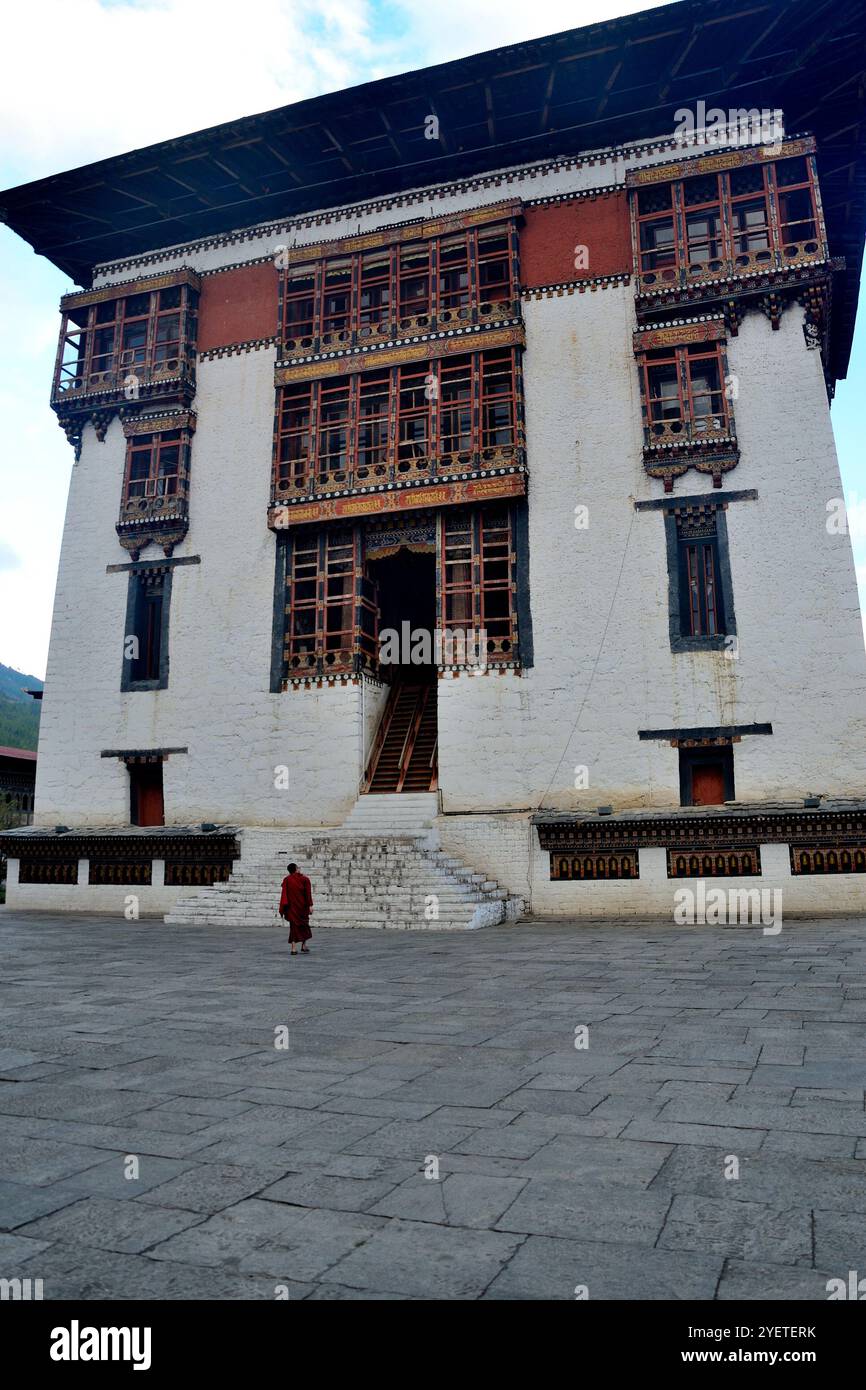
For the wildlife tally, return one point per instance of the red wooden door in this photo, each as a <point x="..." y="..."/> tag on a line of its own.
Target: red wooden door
<point x="147" y="803"/>
<point x="150" y="805"/>
<point x="708" y="784"/>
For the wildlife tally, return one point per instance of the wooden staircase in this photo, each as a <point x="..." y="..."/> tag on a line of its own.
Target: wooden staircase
<point x="404" y="754"/>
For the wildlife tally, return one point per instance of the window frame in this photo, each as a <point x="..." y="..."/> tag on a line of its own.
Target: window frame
<point x="411" y="426"/>
<point x="437" y="300"/>
<point x="729" y="237"/>
<point x="315" y="558"/>
<point x="681" y="359"/>
<point x="82" y="325"/>
<point x="144" y="582"/>
<point x="682" y="638"/>
<point x="462" y="543"/>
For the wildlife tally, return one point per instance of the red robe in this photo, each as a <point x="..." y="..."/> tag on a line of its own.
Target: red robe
<point x="296" y="900"/>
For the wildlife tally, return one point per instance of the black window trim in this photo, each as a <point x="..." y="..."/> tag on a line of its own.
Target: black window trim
<point x="159" y="682"/>
<point x="680" y="640"/>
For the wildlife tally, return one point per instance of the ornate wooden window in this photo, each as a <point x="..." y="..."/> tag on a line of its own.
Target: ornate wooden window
<point x="415" y="390"/>
<point x="130" y="344"/>
<point x="325" y="630"/>
<point x="155" y="502"/>
<point x="375" y="303"/>
<point x="468" y="275"/>
<point x="391" y="425"/>
<point x="332" y="446"/>
<point x="416" y="285"/>
<point x="454" y="289"/>
<point x="687" y="413"/>
<point x="702" y="610"/>
<point x="477" y="586"/>
<point x="372" y="425"/>
<point x="684" y="392"/>
<point x="302" y="608"/>
<point x="153" y="465"/>
<point x="714" y="221"/>
<point x="300" y="299"/>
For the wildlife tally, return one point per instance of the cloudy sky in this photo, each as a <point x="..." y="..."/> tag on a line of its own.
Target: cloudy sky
<point x="115" y="74"/>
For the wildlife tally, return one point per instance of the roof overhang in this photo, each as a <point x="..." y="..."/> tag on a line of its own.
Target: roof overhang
<point x="606" y="84"/>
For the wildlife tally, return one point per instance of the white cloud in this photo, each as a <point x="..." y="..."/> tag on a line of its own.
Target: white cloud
<point x="99" y="79"/>
<point x="104" y="79"/>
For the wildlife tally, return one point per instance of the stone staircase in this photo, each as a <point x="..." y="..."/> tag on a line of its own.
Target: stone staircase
<point x="381" y="868"/>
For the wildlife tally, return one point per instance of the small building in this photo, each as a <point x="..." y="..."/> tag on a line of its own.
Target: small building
<point x="455" y="461"/>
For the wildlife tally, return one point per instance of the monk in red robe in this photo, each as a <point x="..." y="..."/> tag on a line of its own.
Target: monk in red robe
<point x="296" y="904"/>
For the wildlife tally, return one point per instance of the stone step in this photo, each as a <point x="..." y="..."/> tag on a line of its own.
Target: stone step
<point x="380" y="869"/>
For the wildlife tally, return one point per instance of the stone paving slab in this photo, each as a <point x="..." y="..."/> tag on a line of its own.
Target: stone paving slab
<point x="432" y="1132"/>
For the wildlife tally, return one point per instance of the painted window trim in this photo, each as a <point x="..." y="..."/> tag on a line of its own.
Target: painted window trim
<point x="680" y="642"/>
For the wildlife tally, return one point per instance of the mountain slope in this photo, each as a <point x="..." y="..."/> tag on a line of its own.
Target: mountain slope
<point x="19" y="712"/>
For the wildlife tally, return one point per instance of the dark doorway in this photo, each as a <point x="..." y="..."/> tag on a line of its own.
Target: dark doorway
<point x="404" y="756"/>
<point x="406" y="584"/>
<point x="706" y="776"/>
<point x="146" y="804"/>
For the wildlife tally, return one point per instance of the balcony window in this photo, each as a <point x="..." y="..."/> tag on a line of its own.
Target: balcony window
<point x="751" y="216"/>
<point x="497" y="401"/>
<point x="684" y="394"/>
<point x="153" y="465"/>
<point x="450" y="410"/>
<point x="320" y="609"/>
<point x="494" y="267"/>
<point x="353" y="296"/>
<point x="455" y="413"/>
<point x="373" y="421"/>
<point x="333" y="428"/>
<point x="703" y="219"/>
<point x="337" y="298"/>
<point x="155" y="499"/>
<point x="149" y="335"/>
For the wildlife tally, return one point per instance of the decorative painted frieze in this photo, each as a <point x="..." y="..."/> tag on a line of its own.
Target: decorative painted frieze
<point x="393" y="498"/>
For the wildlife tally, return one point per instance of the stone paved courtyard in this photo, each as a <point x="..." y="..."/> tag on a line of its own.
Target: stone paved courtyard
<point x="558" y="1166"/>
